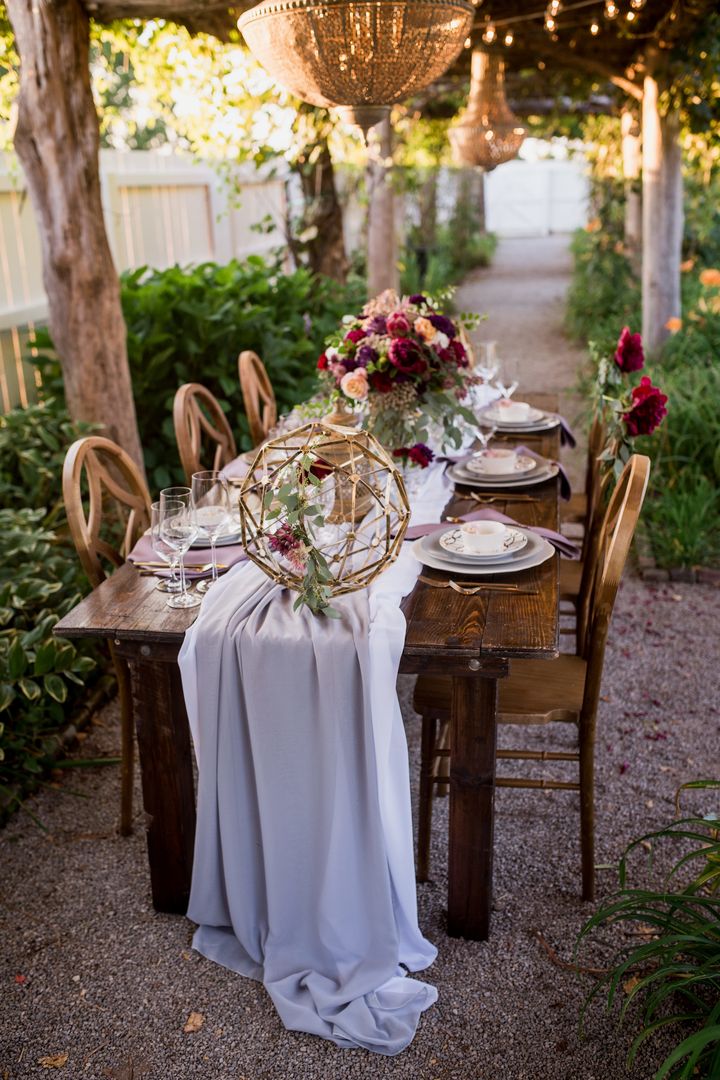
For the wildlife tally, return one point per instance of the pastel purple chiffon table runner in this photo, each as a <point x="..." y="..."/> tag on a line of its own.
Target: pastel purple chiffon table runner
<point x="228" y="555"/>
<point x="566" y="547"/>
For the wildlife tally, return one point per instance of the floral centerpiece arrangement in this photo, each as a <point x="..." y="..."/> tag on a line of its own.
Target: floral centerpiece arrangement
<point x="630" y="410"/>
<point x="402" y="363"/>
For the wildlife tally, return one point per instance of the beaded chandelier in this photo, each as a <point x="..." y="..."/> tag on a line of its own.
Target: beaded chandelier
<point x="488" y="132"/>
<point x="360" y="56"/>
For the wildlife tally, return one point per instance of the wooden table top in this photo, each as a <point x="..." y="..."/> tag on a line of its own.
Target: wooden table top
<point x="441" y="622"/>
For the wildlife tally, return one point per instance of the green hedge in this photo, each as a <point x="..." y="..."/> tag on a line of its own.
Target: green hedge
<point x="188" y="324"/>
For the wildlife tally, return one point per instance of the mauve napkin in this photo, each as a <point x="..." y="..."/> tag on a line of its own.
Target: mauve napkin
<point x="565" y="489"/>
<point x="227" y="555"/>
<point x="566" y="547"/>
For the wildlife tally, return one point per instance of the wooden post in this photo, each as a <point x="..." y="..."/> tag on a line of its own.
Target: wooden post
<point x="662" y="216"/>
<point x="632" y="161"/>
<point x="57" y="141"/>
<point x="382" y="239"/>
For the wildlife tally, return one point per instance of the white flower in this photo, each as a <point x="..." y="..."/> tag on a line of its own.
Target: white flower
<point x="331" y="353"/>
<point x="441" y="341"/>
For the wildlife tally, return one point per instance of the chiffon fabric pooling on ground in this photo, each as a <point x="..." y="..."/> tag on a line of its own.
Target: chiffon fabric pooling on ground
<point x="303" y="875"/>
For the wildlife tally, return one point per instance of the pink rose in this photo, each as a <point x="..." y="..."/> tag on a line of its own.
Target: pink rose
<point x="355" y="384"/>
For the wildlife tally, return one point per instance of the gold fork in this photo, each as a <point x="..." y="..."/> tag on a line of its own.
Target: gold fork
<point x="469" y="588"/>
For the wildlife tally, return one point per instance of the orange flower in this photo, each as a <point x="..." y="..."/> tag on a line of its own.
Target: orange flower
<point x="710" y="277"/>
<point x="686" y="267"/>
<point x="619" y="247"/>
<point x="674" y="324"/>
<point x="593" y="226"/>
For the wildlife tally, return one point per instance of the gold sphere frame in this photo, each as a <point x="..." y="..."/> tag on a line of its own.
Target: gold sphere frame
<point x="369" y="502"/>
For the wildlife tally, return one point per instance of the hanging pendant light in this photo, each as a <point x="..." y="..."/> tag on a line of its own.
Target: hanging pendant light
<point x="488" y="132"/>
<point x="360" y="56"/>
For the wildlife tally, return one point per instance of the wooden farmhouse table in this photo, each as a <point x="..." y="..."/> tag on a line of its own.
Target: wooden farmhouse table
<point x="471" y="638"/>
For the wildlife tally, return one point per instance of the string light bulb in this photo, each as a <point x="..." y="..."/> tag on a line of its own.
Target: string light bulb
<point x="637" y="4"/>
<point x="611" y="9"/>
<point x="468" y="43"/>
<point x="489" y="34"/>
<point x="550" y="24"/>
<point x="553" y="8"/>
<point x="509" y="37"/>
<point x="631" y="16"/>
<point x="594" y="28"/>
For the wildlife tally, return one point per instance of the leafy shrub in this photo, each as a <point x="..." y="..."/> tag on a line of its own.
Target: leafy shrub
<point x="604" y="295"/>
<point x="40" y="580"/>
<point x="188" y="324"/>
<point x="447" y="262"/>
<point x="672" y="964"/>
<point x="39" y="674"/>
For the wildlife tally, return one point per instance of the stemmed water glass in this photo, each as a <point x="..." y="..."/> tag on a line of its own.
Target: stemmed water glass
<point x="506" y="391"/>
<point x="164" y="553"/>
<point x="484" y="435"/>
<point x="178" y="529"/>
<point x="212" y="512"/>
<point x="487" y="367"/>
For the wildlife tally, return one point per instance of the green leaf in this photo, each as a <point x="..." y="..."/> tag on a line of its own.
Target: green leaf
<point x="17" y="660"/>
<point x="55" y="687"/>
<point x="30" y="689"/>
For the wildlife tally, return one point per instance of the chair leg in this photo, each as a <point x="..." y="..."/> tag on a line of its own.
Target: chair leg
<point x="443" y="763"/>
<point x="427" y="765"/>
<point x="127" y="745"/>
<point x="587" y="814"/>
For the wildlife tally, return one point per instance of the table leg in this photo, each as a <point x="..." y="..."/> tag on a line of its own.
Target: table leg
<point x="165" y="756"/>
<point x="472" y="787"/>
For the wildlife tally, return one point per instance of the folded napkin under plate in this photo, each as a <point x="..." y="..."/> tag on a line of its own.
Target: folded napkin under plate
<point x="565" y="547"/>
<point x="227" y="554"/>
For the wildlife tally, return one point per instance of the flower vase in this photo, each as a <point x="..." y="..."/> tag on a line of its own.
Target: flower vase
<point x="341" y="416"/>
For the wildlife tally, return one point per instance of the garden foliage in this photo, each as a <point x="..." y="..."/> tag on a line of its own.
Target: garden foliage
<point x="40" y="580"/>
<point x="682" y="513"/>
<point x="670" y="964"/>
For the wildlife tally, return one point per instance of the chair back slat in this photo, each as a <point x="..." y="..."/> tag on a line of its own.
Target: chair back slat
<point x="97" y="472"/>
<point x="200" y="422"/>
<point x="258" y="395"/>
<point x="612" y="548"/>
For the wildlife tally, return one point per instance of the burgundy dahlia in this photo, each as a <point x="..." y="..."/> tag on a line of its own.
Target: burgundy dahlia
<point x="377" y="325"/>
<point x="454" y="354"/>
<point x="398" y="325"/>
<point x="381" y="381"/>
<point x="418" y="299"/>
<point x="405" y="355"/>
<point x="629" y="355"/>
<point x="355" y="335"/>
<point x="647" y="410"/>
<point x="420" y="454"/>
<point x="444" y="325"/>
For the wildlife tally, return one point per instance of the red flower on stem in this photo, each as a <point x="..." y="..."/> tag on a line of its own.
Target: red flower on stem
<point x="322" y="362"/>
<point x="629" y="355"/>
<point x="420" y="454"/>
<point x="647" y="409"/>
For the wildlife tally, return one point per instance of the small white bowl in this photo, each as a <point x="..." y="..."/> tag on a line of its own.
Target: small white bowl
<point x="513" y="410"/>
<point x="484" y="537"/>
<point x="498" y="460"/>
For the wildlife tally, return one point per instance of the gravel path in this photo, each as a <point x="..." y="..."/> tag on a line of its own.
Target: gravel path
<point x="90" y="971"/>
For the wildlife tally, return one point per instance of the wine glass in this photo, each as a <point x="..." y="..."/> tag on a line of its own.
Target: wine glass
<point x="212" y="512"/>
<point x="484" y="436"/>
<point x="178" y="529"/>
<point x="487" y="367"/>
<point x="165" y="553"/>
<point x="506" y="391"/>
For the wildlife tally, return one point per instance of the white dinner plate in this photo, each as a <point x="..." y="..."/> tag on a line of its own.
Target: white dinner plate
<point x="508" y="483"/>
<point x="537" y="552"/>
<point x="510" y="428"/>
<point x="224" y="540"/>
<point x="497" y="415"/>
<point x="453" y="545"/>
<point x="481" y="466"/>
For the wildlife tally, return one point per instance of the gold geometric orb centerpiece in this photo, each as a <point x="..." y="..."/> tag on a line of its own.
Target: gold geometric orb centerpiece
<point x="488" y="133"/>
<point x="325" y="489"/>
<point x="360" y="56"/>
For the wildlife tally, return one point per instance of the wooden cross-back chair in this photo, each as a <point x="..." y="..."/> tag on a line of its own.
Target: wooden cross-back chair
<point x="582" y="505"/>
<point x="201" y="425"/>
<point x="258" y="395"/>
<point x="98" y="476"/>
<point x="539" y="691"/>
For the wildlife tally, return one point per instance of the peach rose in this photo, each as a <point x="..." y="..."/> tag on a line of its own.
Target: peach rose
<point x="674" y="324"/>
<point x="355" y="384"/>
<point x="425" y="328"/>
<point x="710" y="277"/>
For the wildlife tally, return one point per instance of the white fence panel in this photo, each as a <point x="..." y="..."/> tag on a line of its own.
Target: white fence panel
<point x="536" y="198"/>
<point x="159" y="210"/>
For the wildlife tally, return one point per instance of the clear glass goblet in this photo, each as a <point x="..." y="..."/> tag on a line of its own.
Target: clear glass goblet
<point x="212" y="513"/>
<point x="178" y="529"/>
<point x="164" y="553"/>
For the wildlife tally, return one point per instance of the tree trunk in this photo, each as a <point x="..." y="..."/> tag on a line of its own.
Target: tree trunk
<point x="632" y="159"/>
<point x="57" y="142"/>
<point x="323" y="213"/>
<point x="428" y="207"/>
<point x="662" y="222"/>
<point x="382" y="239"/>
